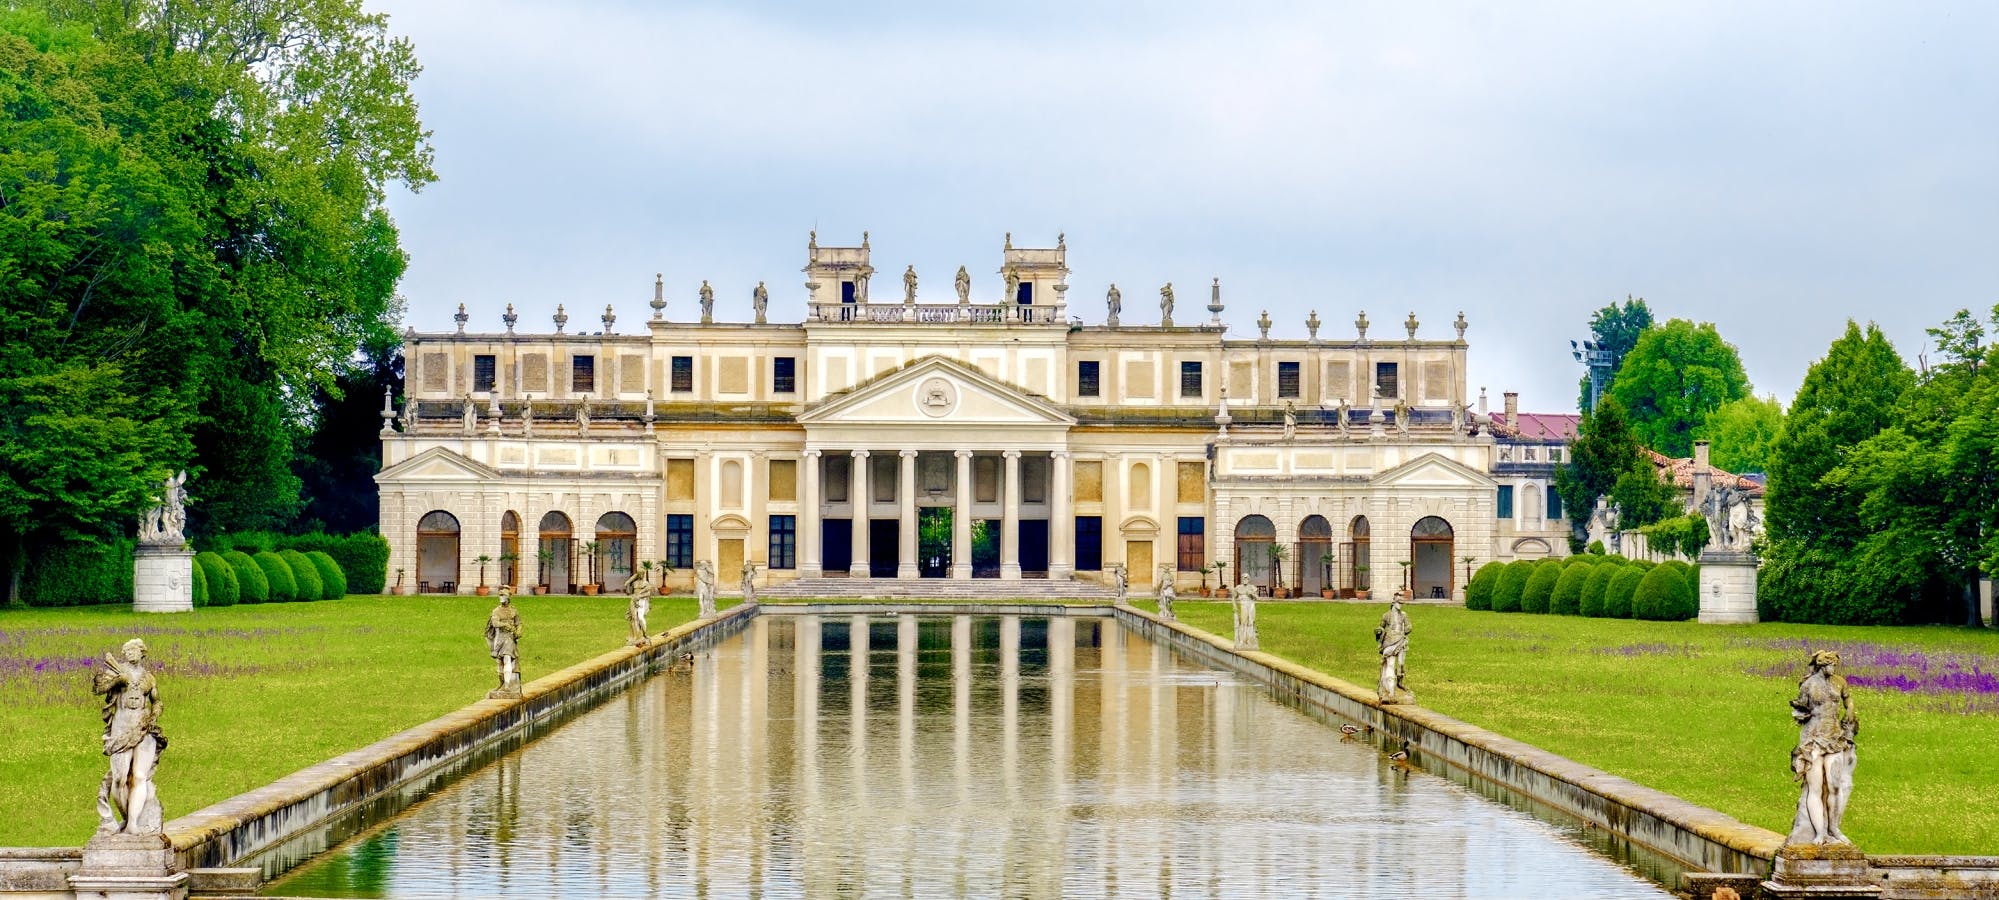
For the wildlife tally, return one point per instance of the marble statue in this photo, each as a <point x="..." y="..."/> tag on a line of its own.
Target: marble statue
<point x="1166" y="304"/>
<point x="749" y="584"/>
<point x="1730" y="522"/>
<point x="166" y="523"/>
<point x="760" y="301"/>
<point x="1824" y="759"/>
<point x="1244" y="598"/>
<point x="503" y="637"/>
<point x="1392" y="637"/>
<point x="861" y="276"/>
<point x="1341" y="414"/>
<point x="909" y="285"/>
<point x="1114" y="301"/>
<point x="1012" y="284"/>
<point x="1120" y="582"/>
<point x="1290" y="421"/>
<point x="963" y="283"/>
<point x="704" y="587"/>
<point x="1611" y="515"/>
<point x="583" y="416"/>
<point x="1401" y="418"/>
<point x="639" y="586"/>
<point x="132" y="740"/>
<point x="1166" y="593"/>
<point x="527" y="417"/>
<point x="469" y="416"/>
<point x="707" y="302"/>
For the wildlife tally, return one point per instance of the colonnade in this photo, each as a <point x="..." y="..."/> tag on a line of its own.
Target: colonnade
<point x="1061" y="525"/>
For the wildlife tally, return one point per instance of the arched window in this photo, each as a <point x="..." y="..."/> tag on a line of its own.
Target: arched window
<point x="1359" y="559"/>
<point x="617" y="541"/>
<point x="1255" y="537"/>
<point x="1315" y="556"/>
<point x="556" y="554"/>
<point x="437" y="553"/>
<point x="510" y="549"/>
<point x="1430" y="547"/>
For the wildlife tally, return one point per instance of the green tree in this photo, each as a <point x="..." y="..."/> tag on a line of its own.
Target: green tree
<point x="1740" y="433"/>
<point x="1677" y="374"/>
<point x="1607" y="461"/>
<point x="1847" y="397"/>
<point x="1616" y="329"/>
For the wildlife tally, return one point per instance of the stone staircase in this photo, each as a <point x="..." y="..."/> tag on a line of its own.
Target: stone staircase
<point x="936" y="589"/>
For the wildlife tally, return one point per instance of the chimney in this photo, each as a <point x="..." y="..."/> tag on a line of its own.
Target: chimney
<point x="1513" y="409"/>
<point x="1703" y="475"/>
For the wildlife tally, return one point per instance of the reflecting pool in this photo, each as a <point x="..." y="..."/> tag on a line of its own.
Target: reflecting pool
<point x="940" y="756"/>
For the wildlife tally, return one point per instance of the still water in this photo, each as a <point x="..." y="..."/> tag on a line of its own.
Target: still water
<point x="939" y="756"/>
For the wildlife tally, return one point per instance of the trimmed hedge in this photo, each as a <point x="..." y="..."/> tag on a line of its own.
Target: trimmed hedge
<point x="1617" y="600"/>
<point x="223" y="589"/>
<point x="363" y="557"/>
<point x="1478" y="594"/>
<point x="1663" y="596"/>
<point x="78" y="574"/>
<point x="1576" y="559"/>
<point x="284" y="588"/>
<point x="1512" y="583"/>
<point x="1596" y="587"/>
<point x="1568" y="597"/>
<point x="331" y="578"/>
<point x="1541" y="586"/>
<point x="198" y="580"/>
<point x="305" y="576"/>
<point x="256" y="588"/>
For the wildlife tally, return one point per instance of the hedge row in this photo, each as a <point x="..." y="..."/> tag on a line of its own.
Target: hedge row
<point x="363" y="557"/>
<point x="79" y="575"/>
<point x="1588" y="585"/>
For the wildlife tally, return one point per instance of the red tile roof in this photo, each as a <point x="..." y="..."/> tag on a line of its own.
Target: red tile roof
<point x="1539" y="426"/>
<point x="1682" y="472"/>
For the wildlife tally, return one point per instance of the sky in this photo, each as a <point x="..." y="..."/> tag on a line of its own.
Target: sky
<point x="1774" y="168"/>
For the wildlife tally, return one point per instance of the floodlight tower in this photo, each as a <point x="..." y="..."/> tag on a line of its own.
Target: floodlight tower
<point x="1596" y="358"/>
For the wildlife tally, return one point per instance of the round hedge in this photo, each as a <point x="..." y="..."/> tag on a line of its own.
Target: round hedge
<point x="199" y="582"/>
<point x="1541" y="586"/>
<point x="284" y="588"/>
<point x="1596" y="587"/>
<point x="222" y="587"/>
<point x="1568" y="597"/>
<point x="1617" y="600"/>
<point x="1577" y="559"/>
<point x="1512" y="583"/>
<point x="1680" y="568"/>
<point x="331" y="578"/>
<point x="256" y="587"/>
<point x="1663" y="596"/>
<point x="305" y="576"/>
<point x="1478" y="594"/>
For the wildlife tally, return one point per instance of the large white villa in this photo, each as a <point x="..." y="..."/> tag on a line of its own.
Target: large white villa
<point x="961" y="437"/>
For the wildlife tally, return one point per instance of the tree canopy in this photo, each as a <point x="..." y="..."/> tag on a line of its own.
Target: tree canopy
<point x="1607" y="461"/>
<point x="1615" y="329"/>
<point x="1673" y="378"/>
<point x="1846" y="398"/>
<point x="1739" y="433"/>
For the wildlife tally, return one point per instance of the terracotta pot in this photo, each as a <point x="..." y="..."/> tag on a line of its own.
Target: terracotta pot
<point x="1362" y="593"/>
<point x="482" y="590"/>
<point x="1206" y="593"/>
<point x="540" y="589"/>
<point x="589" y="590"/>
<point x="1326" y="594"/>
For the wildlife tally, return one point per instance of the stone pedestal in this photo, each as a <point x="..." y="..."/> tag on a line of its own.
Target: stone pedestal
<point x="510" y="692"/>
<point x="1820" y="870"/>
<point x="1728" y="587"/>
<point x="128" y="867"/>
<point x="162" y="578"/>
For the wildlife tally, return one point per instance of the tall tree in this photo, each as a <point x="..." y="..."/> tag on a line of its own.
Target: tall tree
<point x="1740" y="432"/>
<point x="1847" y="397"/>
<point x="1677" y="374"/>
<point x="1616" y="330"/>
<point x="1607" y="461"/>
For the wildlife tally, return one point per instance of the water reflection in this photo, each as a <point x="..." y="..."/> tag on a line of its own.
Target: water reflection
<point x="907" y="756"/>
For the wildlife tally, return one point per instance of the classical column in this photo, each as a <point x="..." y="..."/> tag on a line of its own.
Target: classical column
<point x="857" y="488"/>
<point x="1061" y="529"/>
<point x="906" y="530"/>
<point x="1010" y="519"/>
<point x="961" y="519"/>
<point x="808" y="518"/>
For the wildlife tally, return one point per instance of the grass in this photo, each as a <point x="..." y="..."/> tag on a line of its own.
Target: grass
<point x="254" y="693"/>
<point x="1698" y="711"/>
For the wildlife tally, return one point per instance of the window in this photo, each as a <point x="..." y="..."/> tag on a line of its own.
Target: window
<point x="1506" y="501"/>
<point x="1193" y="543"/>
<point x="679" y="541"/>
<point x="784" y="375"/>
<point x="784" y="542"/>
<point x="847" y="292"/>
<point x="1554" y="454"/>
<point x="1554" y="503"/>
<point x="1089" y="543"/>
<point x="1533" y="453"/>
<point x="1086" y="378"/>
<point x="582" y="374"/>
<point x="1190" y="379"/>
<point x="683" y="374"/>
<point x="1024" y="292"/>
<point x="1384" y="380"/>
<point x="1287" y="379"/>
<point x="482" y="372"/>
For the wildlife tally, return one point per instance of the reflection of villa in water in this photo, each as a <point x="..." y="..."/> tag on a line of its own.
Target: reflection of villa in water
<point x="919" y="439"/>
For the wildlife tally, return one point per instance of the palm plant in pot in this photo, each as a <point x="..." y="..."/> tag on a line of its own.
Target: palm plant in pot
<point x="665" y="572"/>
<point x="547" y="558"/>
<point x="590" y="549"/>
<point x="1326" y="581"/>
<point x="1277" y="572"/>
<point x="398" y="589"/>
<point x="482" y="590"/>
<point x="1361" y="586"/>
<point x="1205" y="569"/>
<point x="1222" y="577"/>
<point x="509" y="574"/>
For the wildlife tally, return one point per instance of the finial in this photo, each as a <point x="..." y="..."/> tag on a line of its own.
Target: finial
<point x="864" y="240"/>
<point x="1461" y="325"/>
<point x="509" y="318"/>
<point x="812" y="239"/>
<point x="1360" y="324"/>
<point x="1411" y="324"/>
<point x="1312" y="324"/>
<point x="1263" y="325"/>
<point x="388" y="411"/>
<point x="1215" y="302"/>
<point x="659" y="296"/>
<point x="461" y="318"/>
<point x="561" y="318"/>
<point x="1061" y="240"/>
<point x="610" y="318"/>
<point x="1009" y="240"/>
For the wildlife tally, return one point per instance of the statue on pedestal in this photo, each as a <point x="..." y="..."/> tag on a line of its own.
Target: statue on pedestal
<point x="760" y="301"/>
<point x="707" y="302"/>
<point x="1824" y="760"/>
<point x="1244" y="598"/>
<point x="1166" y="305"/>
<point x="132" y="740"/>
<point x="1392" y="637"/>
<point x="1114" y="301"/>
<point x="1341" y="414"/>
<point x="639" y="586"/>
<point x="749" y="584"/>
<point x="1166" y="593"/>
<point x="909" y="285"/>
<point x="704" y="587"/>
<point x="503" y="635"/>
<point x="1120" y="582"/>
<point x="583" y="416"/>
<point x="166" y="523"/>
<point x="1290" y="421"/>
<point x="964" y="285"/>
<point x="1731" y="523"/>
<point x="469" y="416"/>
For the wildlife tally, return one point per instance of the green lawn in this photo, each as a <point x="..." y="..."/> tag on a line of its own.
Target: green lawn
<point x="253" y="693"/>
<point x="1698" y="711"/>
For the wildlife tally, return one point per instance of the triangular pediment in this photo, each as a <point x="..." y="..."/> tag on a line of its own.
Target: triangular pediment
<point x="438" y="464"/>
<point x="1434" y="471"/>
<point x="936" y="391"/>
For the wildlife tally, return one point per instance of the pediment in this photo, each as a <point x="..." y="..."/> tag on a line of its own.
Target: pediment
<point x="1434" y="471"/>
<point x="940" y="392"/>
<point x="438" y="464"/>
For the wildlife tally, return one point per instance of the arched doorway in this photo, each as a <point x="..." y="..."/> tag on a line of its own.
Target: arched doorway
<point x="510" y="550"/>
<point x="437" y="553"/>
<point x="617" y="537"/>
<point x="1315" y="556"/>
<point x="1430" y="543"/>
<point x="555" y="557"/>
<point x="1359" y="560"/>
<point x="1254" y="538"/>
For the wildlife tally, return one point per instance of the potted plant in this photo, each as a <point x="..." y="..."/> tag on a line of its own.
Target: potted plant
<point x="665" y="572"/>
<point x="482" y="590"/>
<point x="1205" y="569"/>
<point x="1277" y="572"/>
<point x="398" y="589"/>
<point x="1468" y="560"/>
<point x="547" y="558"/>
<point x="1360" y="582"/>
<point x="1326" y="583"/>
<point x="1408" y="590"/>
<point x="509" y="574"/>
<point x="590" y="549"/>
<point x="1222" y="577"/>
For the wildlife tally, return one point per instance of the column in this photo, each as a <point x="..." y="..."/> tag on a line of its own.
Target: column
<point x="906" y="530"/>
<point x="961" y="519"/>
<point x="1010" y="519"/>
<point x="1061" y="528"/>
<point x="808" y="518"/>
<point x="857" y="488"/>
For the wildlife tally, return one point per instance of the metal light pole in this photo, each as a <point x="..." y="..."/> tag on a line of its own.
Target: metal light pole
<point x="1596" y="358"/>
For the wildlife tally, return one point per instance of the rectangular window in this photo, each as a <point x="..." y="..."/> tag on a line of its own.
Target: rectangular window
<point x="784" y="375"/>
<point x="582" y="374"/>
<point x="1190" y="379"/>
<point x="683" y="374"/>
<point x="482" y="372"/>
<point x="1193" y="543"/>
<point x="1287" y="380"/>
<point x="1384" y="380"/>
<point x="679" y="541"/>
<point x="1089" y="543"/>
<point x="1506" y="501"/>
<point x="784" y="542"/>
<point x="1086" y="378"/>
<point x="1024" y="292"/>
<point x="1554" y="503"/>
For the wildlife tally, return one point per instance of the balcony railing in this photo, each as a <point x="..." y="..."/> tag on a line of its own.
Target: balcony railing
<point x="939" y="313"/>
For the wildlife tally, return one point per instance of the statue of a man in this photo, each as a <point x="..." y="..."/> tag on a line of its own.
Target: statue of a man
<point x="1166" y="593"/>
<point x="1824" y="759"/>
<point x="132" y="740"/>
<point x="503" y="636"/>
<point x="704" y="587"/>
<point x="1120" y="581"/>
<point x="1392" y="637"/>
<point x="760" y="301"/>
<point x="639" y="586"/>
<point x="1341" y="414"/>
<point x="1114" y="301"/>
<point x="909" y="285"/>
<point x="707" y="302"/>
<point x="749" y="584"/>
<point x="964" y="285"/>
<point x="1244" y="597"/>
<point x="1166" y="304"/>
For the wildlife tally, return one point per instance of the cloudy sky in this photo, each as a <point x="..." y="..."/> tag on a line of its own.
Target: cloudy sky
<point x="1774" y="168"/>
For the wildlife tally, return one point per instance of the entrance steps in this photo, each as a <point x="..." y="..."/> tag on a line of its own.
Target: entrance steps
<point x="936" y="589"/>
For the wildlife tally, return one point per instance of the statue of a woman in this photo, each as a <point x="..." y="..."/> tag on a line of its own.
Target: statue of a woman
<point x="749" y="584"/>
<point x="1114" y="301"/>
<point x="1392" y="637"/>
<point x="132" y="740"/>
<point x="1166" y="304"/>
<point x="1824" y="759"/>
<point x="639" y="586"/>
<point x="760" y="301"/>
<point x="704" y="587"/>
<point x="909" y="285"/>
<point x="1166" y="593"/>
<point x="1120" y="581"/>
<point x="503" y="635"/>
<point x="1245" y="616"/>
<point x="707" y="302"/>
<point x="964" y="285"/>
